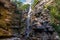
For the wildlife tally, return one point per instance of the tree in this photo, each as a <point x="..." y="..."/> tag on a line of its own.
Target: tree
<point x="25" y="6"/>
<point x="17" y="2"/>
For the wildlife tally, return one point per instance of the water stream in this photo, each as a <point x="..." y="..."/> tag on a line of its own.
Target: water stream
<point x="28" y="29"/>
<point x="28" y="22"/>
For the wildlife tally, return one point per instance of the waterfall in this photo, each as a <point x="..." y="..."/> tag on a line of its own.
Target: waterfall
<point x="28" y="22"/>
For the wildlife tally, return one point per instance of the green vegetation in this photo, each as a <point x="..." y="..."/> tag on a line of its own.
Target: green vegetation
<point x="25" y="6"/>
<point x="54" y="8"/>
<point x="55" y="14"/>
<point x="18" y="3"/>
<point x="34" y="3"/>
<point x="5" y="19"/>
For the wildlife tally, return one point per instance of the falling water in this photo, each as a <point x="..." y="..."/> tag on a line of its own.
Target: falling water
<point x="28" y="22"/>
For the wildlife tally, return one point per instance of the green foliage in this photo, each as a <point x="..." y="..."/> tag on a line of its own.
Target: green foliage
<point x="55" y="10"/>
<point x="25" y="6"/>
<point x="18" y="3"/>
<point x="55" y="14"/>
<point x="58" y="2"/>
<point x="57" y="28"/>
<point x="34" y="3"/>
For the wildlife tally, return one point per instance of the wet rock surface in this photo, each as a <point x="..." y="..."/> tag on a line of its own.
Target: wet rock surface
<point x="41" y="27"/>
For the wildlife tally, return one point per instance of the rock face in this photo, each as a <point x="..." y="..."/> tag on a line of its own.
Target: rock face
<point x="9" y="18"/>
<point x="4" y="19"/>
<point x="41" y="28"/>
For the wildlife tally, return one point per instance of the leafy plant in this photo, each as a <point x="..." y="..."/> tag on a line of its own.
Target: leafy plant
<point x="55" y="14"/>
<point x="34" y="3"/>
<point x="25" y="6"/>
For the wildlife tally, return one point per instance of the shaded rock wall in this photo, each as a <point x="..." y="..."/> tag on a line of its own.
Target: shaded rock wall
<point x="40" y="20"/>
<point x="8" y="15"/>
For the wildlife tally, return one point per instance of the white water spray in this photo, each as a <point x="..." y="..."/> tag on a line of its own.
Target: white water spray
<point x="28" y="18"/>
<point x="28" y="22"/>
